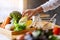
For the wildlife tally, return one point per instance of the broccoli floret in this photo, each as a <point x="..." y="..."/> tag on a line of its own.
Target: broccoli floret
<point x="15" y="15"/>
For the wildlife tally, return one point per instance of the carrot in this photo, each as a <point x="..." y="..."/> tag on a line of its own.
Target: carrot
<point x="6" y="21"/>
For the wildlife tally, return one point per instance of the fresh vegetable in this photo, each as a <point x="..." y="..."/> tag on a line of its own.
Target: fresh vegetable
<point x="36" y="33"/>
<point x="28" y="23"/>
<point x="39" y="35"/>
<point x="23" y="19"/>
<point x="19" y="27"/>
<point x="15" y="15"/>
<point x="9" y="27"/>
<point x="56" y="31"/>
<point x="6" y="21"/>
<point x="53" y="38"/>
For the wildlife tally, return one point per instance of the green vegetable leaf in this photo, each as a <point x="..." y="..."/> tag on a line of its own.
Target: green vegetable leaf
<point x="53" y="38"/>
<point x="19" y="27"/>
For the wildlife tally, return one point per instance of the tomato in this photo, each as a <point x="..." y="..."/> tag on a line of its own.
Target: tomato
<point x="56" y="31"/>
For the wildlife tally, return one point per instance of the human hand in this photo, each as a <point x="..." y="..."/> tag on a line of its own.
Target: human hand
<point x="29" y="13"/>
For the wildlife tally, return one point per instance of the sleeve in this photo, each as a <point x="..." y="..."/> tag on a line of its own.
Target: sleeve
<point x="50" y="5"/>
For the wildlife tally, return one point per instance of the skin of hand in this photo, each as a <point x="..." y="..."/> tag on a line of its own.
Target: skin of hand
<point x="32" y="12"/>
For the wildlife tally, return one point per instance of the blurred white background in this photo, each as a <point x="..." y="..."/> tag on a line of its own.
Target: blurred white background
<point x="2" y="37"/>
<point x="7" y="6"/>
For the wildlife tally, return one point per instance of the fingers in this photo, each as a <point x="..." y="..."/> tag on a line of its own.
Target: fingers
<point x="23" y="13"/>
<point x="27" y="12"/>
<point x="33" y="13"/>
<point x="30" y="16"/>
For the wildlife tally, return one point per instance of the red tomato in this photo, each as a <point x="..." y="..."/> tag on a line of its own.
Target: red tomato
<point x="56" y="31"/>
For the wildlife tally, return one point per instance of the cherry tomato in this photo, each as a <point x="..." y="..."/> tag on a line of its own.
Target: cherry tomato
<point x="56" y="31"/>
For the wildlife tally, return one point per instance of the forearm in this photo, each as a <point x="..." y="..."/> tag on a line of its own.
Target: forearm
<point x="49" y="5"/>
<point x="39" y="9"/>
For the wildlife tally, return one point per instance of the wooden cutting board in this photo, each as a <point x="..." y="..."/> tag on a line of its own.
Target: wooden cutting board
<point x="13" y="34"/>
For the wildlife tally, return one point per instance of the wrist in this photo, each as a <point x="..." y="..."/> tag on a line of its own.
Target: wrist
<point x="39" y="9"/>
